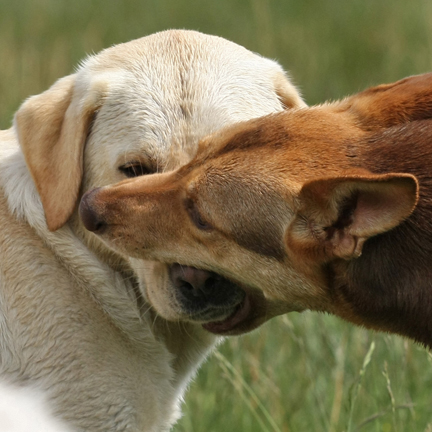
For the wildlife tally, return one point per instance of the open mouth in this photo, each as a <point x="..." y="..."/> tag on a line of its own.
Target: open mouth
<point x="240" y="314"/>
<point x="219" y="304"/>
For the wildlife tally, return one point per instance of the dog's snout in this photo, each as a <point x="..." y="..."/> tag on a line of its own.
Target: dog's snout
<point x="192" y="282"/>
<point x="90" y="215"/>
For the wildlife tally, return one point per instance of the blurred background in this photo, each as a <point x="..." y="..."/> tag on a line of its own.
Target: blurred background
<point x="301" y="372"/>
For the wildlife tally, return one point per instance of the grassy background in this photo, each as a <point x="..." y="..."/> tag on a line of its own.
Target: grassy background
<point x="299" y="373"/>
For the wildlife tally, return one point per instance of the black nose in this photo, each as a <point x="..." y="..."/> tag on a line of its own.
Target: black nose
<point x="193" y="283"/>
<point x="90" y="213"/>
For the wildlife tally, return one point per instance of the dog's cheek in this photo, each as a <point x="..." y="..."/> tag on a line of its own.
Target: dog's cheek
<point x="160" y="296"/>
<point x="156" y="287"/>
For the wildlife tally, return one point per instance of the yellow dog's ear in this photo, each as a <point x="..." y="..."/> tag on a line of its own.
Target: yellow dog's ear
<point x="388" y="105"/>
<point x="286" y="92"/>
<point x="52" y="129"/>
<point x="337" y="215"/>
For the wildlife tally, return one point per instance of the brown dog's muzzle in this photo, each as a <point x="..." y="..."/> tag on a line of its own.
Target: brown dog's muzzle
<point x="91" y="216"/>
<point x="202" y="296"/>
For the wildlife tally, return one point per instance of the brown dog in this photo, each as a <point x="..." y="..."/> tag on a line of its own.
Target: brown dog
<point x="326" y="208"/>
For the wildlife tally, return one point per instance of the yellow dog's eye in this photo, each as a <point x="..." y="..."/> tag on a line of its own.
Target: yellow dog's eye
<point x="134" y="169"/>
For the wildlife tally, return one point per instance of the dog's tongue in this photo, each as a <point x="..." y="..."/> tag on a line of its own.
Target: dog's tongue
<point x="241" y="312"/>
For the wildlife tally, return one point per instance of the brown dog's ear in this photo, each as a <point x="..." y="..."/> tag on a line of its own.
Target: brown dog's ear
<point x="52" y="128"/>
<point x="287" y="93"/>
<point x="388" y="105"/>
<point x="337" y="215"/>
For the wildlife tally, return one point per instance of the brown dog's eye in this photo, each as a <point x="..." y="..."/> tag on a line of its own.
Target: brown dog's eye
<point x="134" y="169"/>
<point x="196" y="217"/>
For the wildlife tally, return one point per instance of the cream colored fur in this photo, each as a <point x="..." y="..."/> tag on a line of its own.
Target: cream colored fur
<point x="73" y="315"/>
<point x="25" y="410"/>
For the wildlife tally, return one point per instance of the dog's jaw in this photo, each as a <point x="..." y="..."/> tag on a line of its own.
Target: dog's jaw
<point x="239" y="321"/>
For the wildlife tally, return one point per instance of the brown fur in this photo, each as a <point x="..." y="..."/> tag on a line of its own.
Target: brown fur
<point x="326" y="208"/>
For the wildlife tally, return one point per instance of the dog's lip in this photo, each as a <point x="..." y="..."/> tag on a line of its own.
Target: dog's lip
<point x="229" y="324"/>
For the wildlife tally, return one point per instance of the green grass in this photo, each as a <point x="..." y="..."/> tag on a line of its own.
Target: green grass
<point x="299" y="373"/>
<point x="312" y="372"/>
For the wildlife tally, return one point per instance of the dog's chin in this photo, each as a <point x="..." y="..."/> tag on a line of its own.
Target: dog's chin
<point x="242" y="319"/>
<point x="244" y="314"/>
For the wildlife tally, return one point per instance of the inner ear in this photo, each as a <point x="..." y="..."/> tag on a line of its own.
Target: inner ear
<point x="337" y="215"/>
<point x="52" y="128"/>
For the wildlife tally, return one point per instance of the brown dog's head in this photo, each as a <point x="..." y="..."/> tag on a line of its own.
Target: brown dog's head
<point x="273" y="203"/>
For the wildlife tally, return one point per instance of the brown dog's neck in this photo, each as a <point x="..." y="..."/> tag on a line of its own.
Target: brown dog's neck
<point x="390" y="286"/>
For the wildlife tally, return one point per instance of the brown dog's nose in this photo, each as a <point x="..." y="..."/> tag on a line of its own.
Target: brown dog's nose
<point x="91" y="217"/>
<point x="193" y="282"/>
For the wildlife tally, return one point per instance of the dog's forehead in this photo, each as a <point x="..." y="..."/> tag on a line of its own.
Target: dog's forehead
<point x="290" y="147"/>
<point x="238" y="202"/>
<point x="169" y="90"/>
